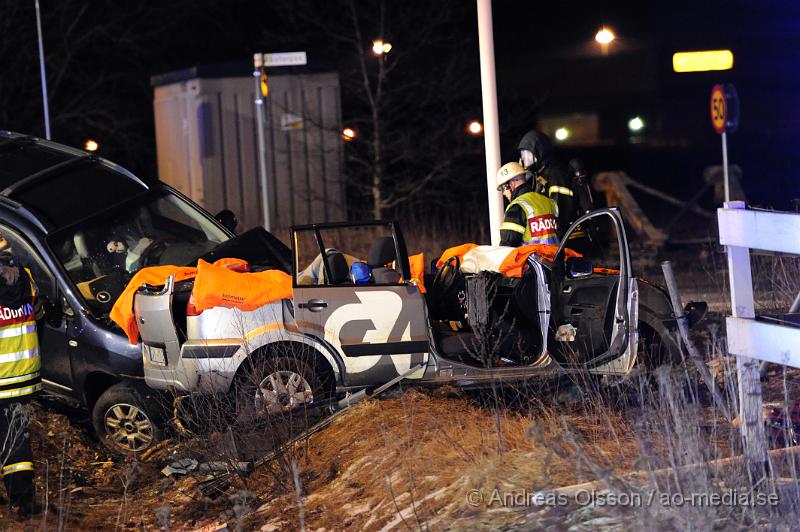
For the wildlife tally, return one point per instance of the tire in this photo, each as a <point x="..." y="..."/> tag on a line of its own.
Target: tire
<point x="129" y="418"/>
<point x="269" y="384"/>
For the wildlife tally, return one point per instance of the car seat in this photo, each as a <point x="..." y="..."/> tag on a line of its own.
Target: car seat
<point x="381" y="253"/>
<point x="94" y="260"/>
<point x="340" y="271"/>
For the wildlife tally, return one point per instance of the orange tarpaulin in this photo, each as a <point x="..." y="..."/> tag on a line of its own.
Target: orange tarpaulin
<point x="514" y="262"/>
<point x="122" y="312"/>
<point x="456" y="251"/>
<point x="417" y="265"/>
<point x="215" y="285"/>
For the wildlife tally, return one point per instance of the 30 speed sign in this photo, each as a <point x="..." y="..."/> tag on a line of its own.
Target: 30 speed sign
<point x="724" y="108"/>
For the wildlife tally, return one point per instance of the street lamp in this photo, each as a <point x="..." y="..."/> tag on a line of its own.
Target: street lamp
<point x="90" y="145"/>
<point x="636" y="124"/>
<point x="379" y="47"/>
<point x="349" y="134"/>
<point x="604" y="37"/>
<point x="475" y="128"/>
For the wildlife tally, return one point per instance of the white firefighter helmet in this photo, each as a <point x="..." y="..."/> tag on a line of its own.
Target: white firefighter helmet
<point x="508" y="172"/>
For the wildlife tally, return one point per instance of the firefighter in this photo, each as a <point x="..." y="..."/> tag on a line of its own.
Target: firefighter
<point x="551" y="177"/>
<point x="531" y="218"/>
<point x="19" y="381"/>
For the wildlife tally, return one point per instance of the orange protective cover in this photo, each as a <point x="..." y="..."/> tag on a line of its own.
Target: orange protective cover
<point x="122" y="312"/>
<point x="417" y="265"/>
<point x="216" y="285"/>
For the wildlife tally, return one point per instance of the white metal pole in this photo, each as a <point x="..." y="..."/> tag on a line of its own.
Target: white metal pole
<point x="725" y="166"/>
<point x="491" y="128"/>
<point x="41" y="73"/>
<point x="258" y="61"/>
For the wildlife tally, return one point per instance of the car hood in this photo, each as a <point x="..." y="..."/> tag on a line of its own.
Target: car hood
<point x="256" y="246"/>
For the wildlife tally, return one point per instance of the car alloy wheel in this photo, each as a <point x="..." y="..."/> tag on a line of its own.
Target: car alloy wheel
<point x="128" y="427"/>
<point x="282" y="391"/>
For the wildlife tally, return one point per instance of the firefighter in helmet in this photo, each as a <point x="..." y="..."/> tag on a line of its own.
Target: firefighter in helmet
<point x="551" y="178"/>
<point x="531" y="218"/>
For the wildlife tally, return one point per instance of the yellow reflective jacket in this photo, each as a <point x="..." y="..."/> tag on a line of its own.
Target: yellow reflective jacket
<point x="19" y="346"/>
<point x="541" y="213"/>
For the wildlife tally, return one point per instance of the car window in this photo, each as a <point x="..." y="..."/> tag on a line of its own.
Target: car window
<point x="372" y="246"/>
<point x="27" y="257"/>
<point x="597" y="240"/>
<point x="102" y="254"/>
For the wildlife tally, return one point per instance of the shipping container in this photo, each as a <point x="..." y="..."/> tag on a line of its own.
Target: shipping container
<point x="207" y="143"/>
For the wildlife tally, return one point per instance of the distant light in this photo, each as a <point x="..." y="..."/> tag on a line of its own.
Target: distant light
<point x="90" y="145"/>
<point x="349" y="134"/>
<point x="636" y="124"/>
<point x="702" y="61"/>
<point x="475" y="128"/>
<point x="379" y="47"/>
<point x="562" y="133"/>
<point x="604" y="36"/>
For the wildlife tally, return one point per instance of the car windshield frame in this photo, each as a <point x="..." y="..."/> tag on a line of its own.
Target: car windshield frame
<point x="64" y="238"/>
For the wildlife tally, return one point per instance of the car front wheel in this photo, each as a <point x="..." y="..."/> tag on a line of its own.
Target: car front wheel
<point x="127" y="420"/>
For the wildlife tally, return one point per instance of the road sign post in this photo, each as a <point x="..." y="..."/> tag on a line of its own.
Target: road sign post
<point x="261" y="88"/>
<point x="724" y="119"/>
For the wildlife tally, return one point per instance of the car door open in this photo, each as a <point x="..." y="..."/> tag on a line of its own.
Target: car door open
<point x="369" y="313"/>
<point x="591" y="293"/>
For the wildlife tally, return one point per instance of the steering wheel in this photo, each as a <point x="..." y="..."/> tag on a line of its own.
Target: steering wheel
<point x="445" y="277"/>
<point x="154" y="249"/>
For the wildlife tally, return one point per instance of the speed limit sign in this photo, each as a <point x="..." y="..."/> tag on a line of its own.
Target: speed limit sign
<point x="724" y="108"/>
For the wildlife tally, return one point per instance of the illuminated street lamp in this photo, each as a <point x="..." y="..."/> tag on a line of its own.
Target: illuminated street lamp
<point x="475" y="128"/>
<point x="562" y="134"/>
<point x="604" y="37"/>
<point x="90" y="145"/>
<point x="636" y="124"/>
<point x="379" y="47"/>
<point x="349" y="134"/>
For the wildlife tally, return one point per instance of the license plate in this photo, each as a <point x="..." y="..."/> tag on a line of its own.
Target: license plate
<point x="155" y="354"/>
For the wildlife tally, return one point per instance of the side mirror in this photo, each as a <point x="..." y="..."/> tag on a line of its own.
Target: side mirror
<point x="578" y="267"/>
<point x="228" y="219"/>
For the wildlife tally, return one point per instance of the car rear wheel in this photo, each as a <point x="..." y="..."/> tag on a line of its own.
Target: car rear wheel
<point x="127" y="420"/>
<point x="270" y="385"/>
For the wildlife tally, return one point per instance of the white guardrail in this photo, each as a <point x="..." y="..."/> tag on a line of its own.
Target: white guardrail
<point x="742" y="230"/>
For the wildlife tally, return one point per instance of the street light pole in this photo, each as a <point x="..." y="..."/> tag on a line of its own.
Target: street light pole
<point x="491" y="128"/>
<point x="258" y="64"/>
<point x="41" y="72"/>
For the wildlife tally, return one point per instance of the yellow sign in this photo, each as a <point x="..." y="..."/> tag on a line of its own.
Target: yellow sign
<point x="264" y="86"/>
<point x="719" y="108"/>
<point x="702" y="61"/>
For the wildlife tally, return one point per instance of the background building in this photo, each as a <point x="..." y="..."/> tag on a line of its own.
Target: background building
<point x="206" y="141"/>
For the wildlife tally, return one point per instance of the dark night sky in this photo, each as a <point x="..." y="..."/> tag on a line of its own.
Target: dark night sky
<point x="534" y="41"/>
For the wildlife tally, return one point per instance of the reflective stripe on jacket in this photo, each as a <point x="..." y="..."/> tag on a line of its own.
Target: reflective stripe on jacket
<point x="541" y="213"/>
<point x="19" y="347"/>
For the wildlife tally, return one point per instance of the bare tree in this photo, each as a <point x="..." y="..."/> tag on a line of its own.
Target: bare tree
<point x="409" y="104"/>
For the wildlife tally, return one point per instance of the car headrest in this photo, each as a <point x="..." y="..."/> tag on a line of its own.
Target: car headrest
<point x="386" y="276"/>
<point x="382" y="252"/>
<point x="340" y="271"/>
<point x="81" y="246"/>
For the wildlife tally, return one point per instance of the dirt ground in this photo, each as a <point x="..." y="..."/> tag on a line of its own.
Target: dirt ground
<point x="405" y="461"/>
